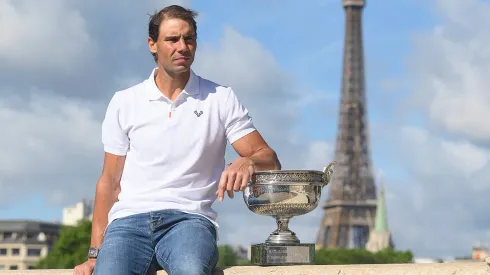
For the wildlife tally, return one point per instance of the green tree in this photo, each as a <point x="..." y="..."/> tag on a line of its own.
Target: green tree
<point x="341" y="256"/>
<point x="227" y="257"/>
<point x="390" y="255"/>
<point x="243" y="262"/>
<point x="70" y="249"/>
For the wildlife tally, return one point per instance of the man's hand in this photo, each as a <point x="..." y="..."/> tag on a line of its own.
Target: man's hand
<point x="87" y="268"/>
<point x="235" y="177"/>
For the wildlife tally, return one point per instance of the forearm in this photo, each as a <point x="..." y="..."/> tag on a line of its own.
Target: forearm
<point x="105" y="197"/>
<point x="265" y="159"/>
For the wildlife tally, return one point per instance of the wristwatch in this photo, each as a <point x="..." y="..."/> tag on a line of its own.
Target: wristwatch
<point x="93" y="252"/>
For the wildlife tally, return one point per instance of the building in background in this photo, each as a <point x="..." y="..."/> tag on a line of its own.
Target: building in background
<point x="24" y="243"/>
<point x="480" y="252"/>
<point x="380" y="236"/>
<point x="350" y="208"/>
<point x="82" y="210"/>
<point x="241" y="252"/>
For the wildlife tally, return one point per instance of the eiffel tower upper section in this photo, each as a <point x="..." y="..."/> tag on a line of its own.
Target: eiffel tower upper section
<point x="353" y="178"/>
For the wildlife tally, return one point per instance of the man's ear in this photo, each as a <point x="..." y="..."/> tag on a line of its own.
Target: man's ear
<point x="152" y="45"/>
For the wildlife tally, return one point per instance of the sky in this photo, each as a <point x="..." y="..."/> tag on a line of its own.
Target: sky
<point x="427" y="84"/>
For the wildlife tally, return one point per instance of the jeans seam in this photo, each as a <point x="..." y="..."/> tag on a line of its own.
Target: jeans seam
<point x="151" y="228"/>
<point x="150" y="235"/>
<point x="149" y="264"/>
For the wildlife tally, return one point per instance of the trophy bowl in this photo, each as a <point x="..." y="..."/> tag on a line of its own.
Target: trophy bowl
<point x="283" y="194"/>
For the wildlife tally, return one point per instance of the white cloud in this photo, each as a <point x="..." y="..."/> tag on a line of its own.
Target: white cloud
<point x="43" y="35"/>
<point x="440" y="209"/>
<point x="461" y="158"/>
<point x="451" y="64"/>
<point x="317" y="156"/>
<point x="265" y="89"/>
<point x="50" y="146"/>
<point x="438" y="198"/>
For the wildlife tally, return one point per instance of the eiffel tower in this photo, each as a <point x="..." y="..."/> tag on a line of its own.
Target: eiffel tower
<point x="350" y="208"/>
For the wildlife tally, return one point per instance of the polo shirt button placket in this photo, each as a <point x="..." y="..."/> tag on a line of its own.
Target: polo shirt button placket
<point x="174" y="105"/>
<point x="172" y="108"/>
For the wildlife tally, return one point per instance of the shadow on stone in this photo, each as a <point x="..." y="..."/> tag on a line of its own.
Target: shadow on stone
<point x="220" y="270"/>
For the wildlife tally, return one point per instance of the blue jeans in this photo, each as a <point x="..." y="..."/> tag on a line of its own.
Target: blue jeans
<point x="179" y="243"/>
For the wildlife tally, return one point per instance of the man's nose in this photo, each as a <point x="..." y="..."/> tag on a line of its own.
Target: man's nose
<point x="181" y="45"/>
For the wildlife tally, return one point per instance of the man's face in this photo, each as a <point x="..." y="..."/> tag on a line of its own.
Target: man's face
<point x="175" y="47"/>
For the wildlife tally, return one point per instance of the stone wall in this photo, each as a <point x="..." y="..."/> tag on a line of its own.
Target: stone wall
<point x="470" y="268"/>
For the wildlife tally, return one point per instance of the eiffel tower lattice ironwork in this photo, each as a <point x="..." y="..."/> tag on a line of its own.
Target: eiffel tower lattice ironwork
<point x="350" y="208"/>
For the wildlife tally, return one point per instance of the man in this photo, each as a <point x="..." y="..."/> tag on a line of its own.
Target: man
<point x="164" y="142"/>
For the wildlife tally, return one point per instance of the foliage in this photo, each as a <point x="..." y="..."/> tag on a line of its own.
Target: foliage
<point x="70" y="249"/>
<point x="243" y="262"/>
<point x="227" y="257"/>
<point x="359" y="256"/>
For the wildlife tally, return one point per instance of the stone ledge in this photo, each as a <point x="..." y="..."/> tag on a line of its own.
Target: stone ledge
<point x="470" y="268"/>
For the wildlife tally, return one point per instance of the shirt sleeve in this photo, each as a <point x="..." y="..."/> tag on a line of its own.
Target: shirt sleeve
<point x="238" y="122"/>
<point x="114" y="137"/>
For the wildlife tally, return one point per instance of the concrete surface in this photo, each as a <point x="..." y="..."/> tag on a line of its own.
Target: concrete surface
<point x="470" y="268"/>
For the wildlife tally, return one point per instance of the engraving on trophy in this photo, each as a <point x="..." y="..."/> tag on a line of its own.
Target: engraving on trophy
<point x="297" y="254"/>
<point x="277" y="254"/>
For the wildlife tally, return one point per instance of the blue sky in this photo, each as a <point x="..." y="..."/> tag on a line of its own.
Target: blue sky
<point x="419" y="61"/>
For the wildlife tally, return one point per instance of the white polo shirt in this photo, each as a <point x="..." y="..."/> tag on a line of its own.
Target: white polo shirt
<point x="174" y="150"/>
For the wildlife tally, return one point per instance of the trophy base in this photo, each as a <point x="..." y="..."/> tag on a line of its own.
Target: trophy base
<point x="282" y="254"/>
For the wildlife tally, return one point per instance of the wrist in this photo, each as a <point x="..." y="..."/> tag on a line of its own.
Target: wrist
<point x="251" y="162"/>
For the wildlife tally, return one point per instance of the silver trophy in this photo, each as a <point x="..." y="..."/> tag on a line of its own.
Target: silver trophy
<point x="283" y="194"/>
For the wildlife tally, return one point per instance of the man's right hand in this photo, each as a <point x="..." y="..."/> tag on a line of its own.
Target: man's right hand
<point x="85" y="269"/>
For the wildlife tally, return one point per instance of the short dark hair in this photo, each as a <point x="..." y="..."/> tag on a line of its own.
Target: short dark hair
<point x="170" y="12"/>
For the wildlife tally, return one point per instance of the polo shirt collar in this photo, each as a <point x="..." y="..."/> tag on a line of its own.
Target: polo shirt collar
<point x="191" y="88"/>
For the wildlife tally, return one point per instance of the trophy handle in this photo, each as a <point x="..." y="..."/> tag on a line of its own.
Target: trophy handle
<point x="328" y="172"/>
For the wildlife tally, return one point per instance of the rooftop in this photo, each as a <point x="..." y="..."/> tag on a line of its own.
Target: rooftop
<point x="29" y="226"/>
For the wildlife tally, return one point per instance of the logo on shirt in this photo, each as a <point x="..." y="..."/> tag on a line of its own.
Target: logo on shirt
<point x="198" y="114"/>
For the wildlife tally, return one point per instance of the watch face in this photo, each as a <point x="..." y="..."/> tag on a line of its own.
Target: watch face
<point x="92" y="252"/>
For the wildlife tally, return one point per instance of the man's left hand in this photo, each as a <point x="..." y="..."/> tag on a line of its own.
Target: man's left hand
<point x="235" y="177"/>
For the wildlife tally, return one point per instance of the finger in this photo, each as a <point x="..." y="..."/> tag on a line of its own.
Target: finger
<point x="238" y="182"/>
<point x="251" y="170"/>
<point x="230" y="184"/>
<point x="244" y="182"/>
<point x="222" y="185"/>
